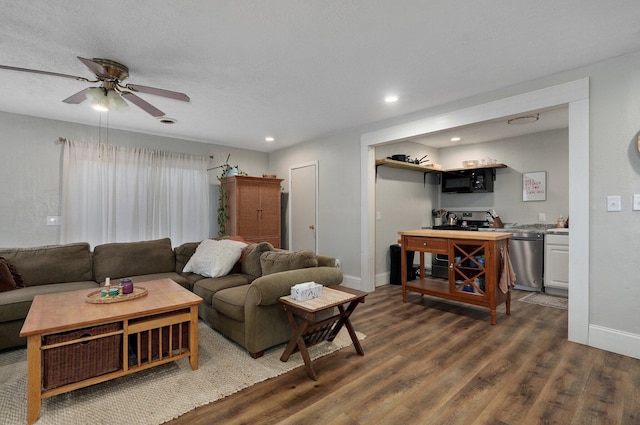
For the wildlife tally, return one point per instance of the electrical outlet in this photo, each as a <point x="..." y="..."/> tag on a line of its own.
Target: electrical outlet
<point x="636" y="202"/>
<point x="614" y="203"/>
<point x="542" y="217"/>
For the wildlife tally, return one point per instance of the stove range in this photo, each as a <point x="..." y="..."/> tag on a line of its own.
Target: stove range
<point x="471" y="228"/>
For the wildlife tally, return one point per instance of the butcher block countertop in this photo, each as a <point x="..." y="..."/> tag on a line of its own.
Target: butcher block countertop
<point x="457" y="234"/>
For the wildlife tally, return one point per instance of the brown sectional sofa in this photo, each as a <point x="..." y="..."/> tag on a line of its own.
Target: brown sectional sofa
<point x="243" y="305"/>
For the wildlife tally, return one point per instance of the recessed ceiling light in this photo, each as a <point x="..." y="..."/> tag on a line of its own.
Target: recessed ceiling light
<point x="269" y="139"/>
<point x="391" y="99"/>
<point x="455" y="139"/>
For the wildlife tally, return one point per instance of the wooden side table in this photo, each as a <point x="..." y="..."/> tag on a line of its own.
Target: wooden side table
<point x="308" y="330"/>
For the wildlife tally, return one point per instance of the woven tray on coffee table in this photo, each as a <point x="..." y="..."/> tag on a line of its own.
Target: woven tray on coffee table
<point x="96" y="298"/>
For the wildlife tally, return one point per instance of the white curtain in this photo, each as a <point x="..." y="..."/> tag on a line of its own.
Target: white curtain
<point x="123" y="194"/>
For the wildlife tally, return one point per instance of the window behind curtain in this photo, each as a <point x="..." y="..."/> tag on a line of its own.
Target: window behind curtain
<point x="122" y="194"/>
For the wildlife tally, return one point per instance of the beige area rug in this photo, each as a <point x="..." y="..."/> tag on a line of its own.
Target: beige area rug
<point x="545" y="300"/>
<point x="156" y="395"/>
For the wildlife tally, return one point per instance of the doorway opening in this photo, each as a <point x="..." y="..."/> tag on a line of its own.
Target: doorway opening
<point x="573" y="94"/>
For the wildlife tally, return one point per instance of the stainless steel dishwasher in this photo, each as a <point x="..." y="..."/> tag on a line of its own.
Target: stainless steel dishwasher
<point x="527" y="258"/>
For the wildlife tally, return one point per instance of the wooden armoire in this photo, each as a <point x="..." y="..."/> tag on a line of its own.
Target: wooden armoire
<point x="253" y="208"/>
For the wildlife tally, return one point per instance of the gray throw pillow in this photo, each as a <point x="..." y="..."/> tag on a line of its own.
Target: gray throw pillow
<point x="251" y="259"/>
<point x="280" y="261"/>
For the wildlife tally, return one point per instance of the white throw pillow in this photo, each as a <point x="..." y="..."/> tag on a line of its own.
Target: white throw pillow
<point x="215" y="258"/>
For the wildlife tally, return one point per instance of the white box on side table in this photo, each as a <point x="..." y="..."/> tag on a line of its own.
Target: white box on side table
<point x="306" y="291"/>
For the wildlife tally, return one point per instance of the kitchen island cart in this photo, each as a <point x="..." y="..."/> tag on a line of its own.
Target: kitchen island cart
<point x="475" y="261"/>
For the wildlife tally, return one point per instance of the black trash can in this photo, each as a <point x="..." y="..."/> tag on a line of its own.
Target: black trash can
<point x="395" y="277"/>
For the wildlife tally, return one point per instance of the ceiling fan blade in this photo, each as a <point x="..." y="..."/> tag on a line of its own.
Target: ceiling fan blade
<point x="96" y="68"/>
<point x="78" y="97"/>
<point x="159" y="92"/>
<point x="37" y="71"/>
<point x="143" y="104"/>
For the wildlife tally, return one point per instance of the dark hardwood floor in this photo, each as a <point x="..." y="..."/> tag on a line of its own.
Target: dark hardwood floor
<point x="434" y="362"/>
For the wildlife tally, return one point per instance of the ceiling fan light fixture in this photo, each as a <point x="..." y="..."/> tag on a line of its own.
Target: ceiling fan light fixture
<point x="103" y="100"/>
<point x="98" y="99"/>
<point x="115" y="101"/>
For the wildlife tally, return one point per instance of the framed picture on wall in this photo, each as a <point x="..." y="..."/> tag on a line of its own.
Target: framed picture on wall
<point x="534" y="186"/>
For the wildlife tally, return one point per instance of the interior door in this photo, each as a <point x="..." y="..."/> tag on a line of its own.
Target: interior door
<point x="303" y="203"/>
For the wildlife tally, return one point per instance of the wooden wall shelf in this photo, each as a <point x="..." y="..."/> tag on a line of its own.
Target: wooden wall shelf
<point x="426" y="169"/>
<point x="429" y="169"/>
<point x="407" y="166"/>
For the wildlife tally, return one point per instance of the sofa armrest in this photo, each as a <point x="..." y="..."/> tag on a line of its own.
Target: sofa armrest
<point x="267" y="289"/>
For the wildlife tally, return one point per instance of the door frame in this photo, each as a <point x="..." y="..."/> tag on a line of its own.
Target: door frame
<point x="289" y="202"/>
<point x="575" y="94"/>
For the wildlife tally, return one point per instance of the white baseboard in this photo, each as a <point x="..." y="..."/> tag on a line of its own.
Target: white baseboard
<point x="382" y="278"/>
<point x="616" y="341"/>
<point x="353" y="282"/>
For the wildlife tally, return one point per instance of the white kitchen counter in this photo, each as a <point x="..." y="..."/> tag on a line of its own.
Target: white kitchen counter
<point x="558" y="231"/>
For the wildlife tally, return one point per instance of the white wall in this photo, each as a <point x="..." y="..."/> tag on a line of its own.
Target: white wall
<point x="615" y="170"/>
<point x="338" y="194"/>
<point x="404" y="200"/>
<point x="30" y="171"/>
<point x="545" y="151"/>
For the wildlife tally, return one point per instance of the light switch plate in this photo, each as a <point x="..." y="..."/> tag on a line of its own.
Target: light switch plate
<point x="636" y="202"/>
<point x="614" y="203"/>
<point x="542" y="217"/>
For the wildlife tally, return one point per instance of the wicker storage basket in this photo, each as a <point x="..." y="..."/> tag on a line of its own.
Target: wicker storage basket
<point x="155" y="343"/>
<point x="82" y="360"/>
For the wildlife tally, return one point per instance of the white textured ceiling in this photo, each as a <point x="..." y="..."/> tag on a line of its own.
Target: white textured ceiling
<point x="297" y="70"/>
<point x="498" y="129"/>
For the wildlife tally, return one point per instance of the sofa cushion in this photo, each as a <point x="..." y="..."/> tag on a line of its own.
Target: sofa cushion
<point x="51" y="263"/>
<point x="215" y="258"/>
<point x="207" y="287"/>
<point x="14" y="305"/>
<point x="126" y="259"/>
<point x="251" y="259"/>
<point x="230" y="302"/>
<point x="176" y="277"/>
<point x="6" y="278"/>
<point x="280" y="261"/>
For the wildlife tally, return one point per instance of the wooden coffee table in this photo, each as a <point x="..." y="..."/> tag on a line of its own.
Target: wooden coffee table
<point x="167" y="309"/>
<point x="309" y="330"/>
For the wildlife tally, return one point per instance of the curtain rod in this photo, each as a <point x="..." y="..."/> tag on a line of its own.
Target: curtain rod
<point x="64" y="140"/>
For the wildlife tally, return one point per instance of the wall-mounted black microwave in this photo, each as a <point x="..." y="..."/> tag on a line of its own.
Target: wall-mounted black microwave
<point x="468" y="181"/>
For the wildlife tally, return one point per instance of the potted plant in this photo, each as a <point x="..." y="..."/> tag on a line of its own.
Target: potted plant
<point x="227" y="171"/>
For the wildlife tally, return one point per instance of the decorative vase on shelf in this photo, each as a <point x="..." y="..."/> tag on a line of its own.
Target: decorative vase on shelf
<point x="232" y="171"/>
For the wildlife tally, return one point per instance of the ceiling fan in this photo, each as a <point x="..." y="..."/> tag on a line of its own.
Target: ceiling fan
<point x="112" y="92"/>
